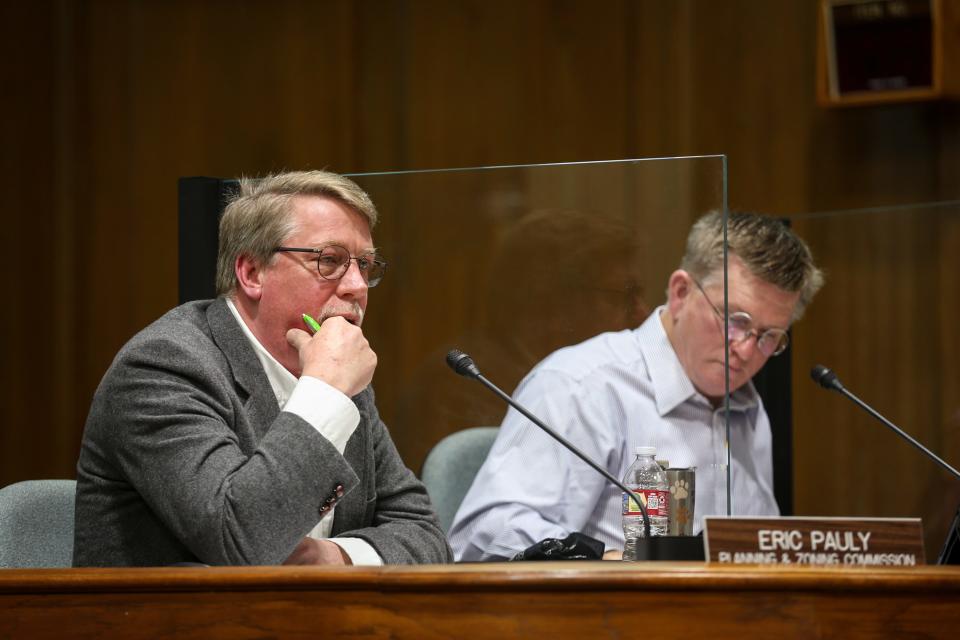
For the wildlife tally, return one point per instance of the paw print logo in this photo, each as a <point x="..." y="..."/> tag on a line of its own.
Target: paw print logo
<point x="680" y="489"/>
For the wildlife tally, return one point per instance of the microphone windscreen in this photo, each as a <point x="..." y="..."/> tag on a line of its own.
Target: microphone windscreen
<point x="825" y="378"/>
<point x="462" y="364"/>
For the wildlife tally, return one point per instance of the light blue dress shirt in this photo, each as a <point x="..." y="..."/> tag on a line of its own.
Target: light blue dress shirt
<point x="608" y="395"/>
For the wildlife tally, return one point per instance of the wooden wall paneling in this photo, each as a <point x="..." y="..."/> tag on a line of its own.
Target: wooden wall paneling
<point x="751" y="91"/>
<point x="905" y="282"/>
<point x="818" y="417"/>
<point x="381" y="100"/>
<point x="874" y="156"/>
<point x="941" y="500"/>
<point x="660" y="68"/>
<point x="68" y="404"/>
<point x="944" y="502"/>
<point x="872" y="325"/>
<point x="503" y="83"/>
<point x="105" y="163"/>
<point x="30" y="63"/>
<point x="944" y="498"/>
<point x="704" y="78"/>
<point x="949" y="276"/>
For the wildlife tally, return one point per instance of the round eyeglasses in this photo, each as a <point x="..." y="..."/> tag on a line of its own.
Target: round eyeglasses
<point x="770" y="342"/>
<point x="333" y="261"/>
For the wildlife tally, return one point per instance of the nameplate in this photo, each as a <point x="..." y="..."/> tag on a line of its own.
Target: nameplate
<point x="842" y="542"/>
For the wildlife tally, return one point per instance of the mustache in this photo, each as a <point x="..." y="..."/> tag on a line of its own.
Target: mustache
<point x="352" y="309"/>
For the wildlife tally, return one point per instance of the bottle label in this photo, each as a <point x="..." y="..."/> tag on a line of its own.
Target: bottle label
<point x="657" y="503"/>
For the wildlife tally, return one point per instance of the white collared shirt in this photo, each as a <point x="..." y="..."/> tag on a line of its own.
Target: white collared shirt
<point x="607" y="396"/>
<point x="327" y="410"/>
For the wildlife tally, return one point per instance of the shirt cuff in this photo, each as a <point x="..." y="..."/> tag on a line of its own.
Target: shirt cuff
<point x="327" y="410"/>
<point x="360" y="551"/>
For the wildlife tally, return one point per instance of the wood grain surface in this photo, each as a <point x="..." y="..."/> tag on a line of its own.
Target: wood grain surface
<point x="567" y="600"/>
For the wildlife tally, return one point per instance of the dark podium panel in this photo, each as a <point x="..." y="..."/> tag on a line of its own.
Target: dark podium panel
<point x="773" y="384"/>
<point x="200" y="203"/>
<point x="523" y="600"/>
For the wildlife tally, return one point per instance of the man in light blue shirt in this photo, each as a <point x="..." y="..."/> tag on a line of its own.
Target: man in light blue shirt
<point x="660" y="384"/>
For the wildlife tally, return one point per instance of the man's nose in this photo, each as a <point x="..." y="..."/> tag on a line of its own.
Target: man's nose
<point x="745" y="349"/>
<point x="352" y="283"/>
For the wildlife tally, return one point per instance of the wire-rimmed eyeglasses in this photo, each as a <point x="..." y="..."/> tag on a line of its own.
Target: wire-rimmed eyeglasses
<point x="771" y="342"/>
<point x="333" y="261"/>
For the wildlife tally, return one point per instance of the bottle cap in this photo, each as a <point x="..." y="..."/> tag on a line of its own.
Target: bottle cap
<point x="645" y="451"/>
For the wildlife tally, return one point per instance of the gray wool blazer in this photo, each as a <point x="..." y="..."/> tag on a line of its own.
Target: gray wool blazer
<point x="187" y="458"/>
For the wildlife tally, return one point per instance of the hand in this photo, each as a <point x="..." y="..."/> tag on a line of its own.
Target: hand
<point x="613" y="554"/>
<point x="314" y="552"/>
<point x="338" y="354"/>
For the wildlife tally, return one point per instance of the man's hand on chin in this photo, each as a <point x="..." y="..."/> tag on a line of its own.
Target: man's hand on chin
<point x="313" y="551"/>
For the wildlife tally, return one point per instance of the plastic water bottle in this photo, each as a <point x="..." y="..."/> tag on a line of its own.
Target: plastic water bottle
<point x="648" y="480"/>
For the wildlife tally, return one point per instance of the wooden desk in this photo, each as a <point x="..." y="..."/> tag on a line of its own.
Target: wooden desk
<point x="530" y="600"/>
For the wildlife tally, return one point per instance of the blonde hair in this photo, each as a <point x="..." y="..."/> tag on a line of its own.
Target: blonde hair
<point x="767" y="247"/>
<point x="259" y="219"/>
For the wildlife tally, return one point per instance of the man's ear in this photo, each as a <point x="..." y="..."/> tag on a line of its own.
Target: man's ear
<point x="679" y="287"/>
<point x="249" y="276"/>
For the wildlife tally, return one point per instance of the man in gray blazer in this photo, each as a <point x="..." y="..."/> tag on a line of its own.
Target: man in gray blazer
<point x="226" y="434"/>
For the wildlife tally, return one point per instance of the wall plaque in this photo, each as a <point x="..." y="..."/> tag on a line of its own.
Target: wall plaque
<point x="879" y="50"/>
<point x="843" y="542"/>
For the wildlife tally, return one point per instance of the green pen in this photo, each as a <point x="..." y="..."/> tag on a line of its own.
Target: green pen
<point x="310" y="322"/>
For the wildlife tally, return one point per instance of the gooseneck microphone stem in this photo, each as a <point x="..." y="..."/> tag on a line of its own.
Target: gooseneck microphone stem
<point x="828" y="379"/>
<point x="464" y="365"/>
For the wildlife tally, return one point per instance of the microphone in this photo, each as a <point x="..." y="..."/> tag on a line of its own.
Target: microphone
<point x="829" y="380"/>
<point x="649" y="548"/>
<point x="462" y="364"/>
<point x="826" y="378"/>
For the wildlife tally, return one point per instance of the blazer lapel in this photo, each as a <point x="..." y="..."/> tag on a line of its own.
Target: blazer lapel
<point x="260" y="404"/>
